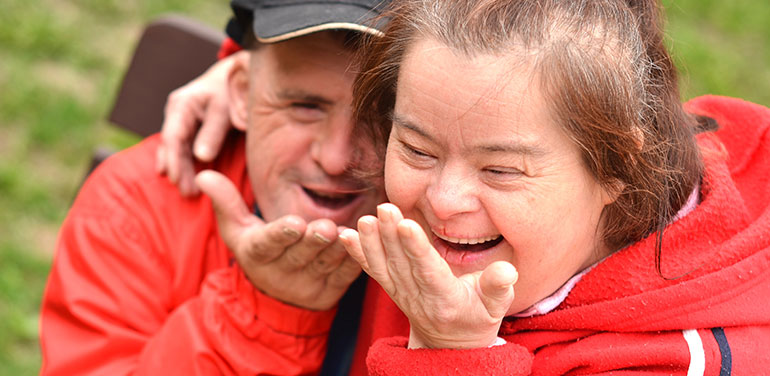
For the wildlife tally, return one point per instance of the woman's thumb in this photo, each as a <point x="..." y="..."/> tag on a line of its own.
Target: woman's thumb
<point x="496" y="283"/>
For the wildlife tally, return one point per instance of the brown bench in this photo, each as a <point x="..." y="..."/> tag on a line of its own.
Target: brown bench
<point x="171" y="51"/>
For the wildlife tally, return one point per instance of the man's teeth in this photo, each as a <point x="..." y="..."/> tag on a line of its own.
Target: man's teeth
<point x="467" y="240"/>
<point x="331" y="195"/>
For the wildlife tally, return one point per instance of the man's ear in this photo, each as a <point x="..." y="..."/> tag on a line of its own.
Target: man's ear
<point x="238" y="91"/>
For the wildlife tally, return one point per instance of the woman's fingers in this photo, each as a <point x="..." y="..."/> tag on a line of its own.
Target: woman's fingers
<point x="352" y="242"/>
<point x="398" y="263"/>
<point x="496" y="286"/>
<point x="428" y="269"/>
<point x="375" y="259"/>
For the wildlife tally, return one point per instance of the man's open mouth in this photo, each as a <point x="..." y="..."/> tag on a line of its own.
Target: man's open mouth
<point x="331" y="200"/>
<point x="470" y="244"/>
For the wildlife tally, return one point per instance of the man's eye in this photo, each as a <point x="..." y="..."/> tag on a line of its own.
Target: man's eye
<point x="307" y="112"/>
<point x="306" y="105"/>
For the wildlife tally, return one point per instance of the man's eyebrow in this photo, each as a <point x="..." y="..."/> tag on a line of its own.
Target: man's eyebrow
<point x="509" y="146"/>
<point x="302" y="96"/>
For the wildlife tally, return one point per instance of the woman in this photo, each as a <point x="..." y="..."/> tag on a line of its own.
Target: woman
<point x="553" y="211"/>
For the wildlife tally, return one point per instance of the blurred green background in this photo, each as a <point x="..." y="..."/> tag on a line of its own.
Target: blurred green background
<point x="61" y="62"/>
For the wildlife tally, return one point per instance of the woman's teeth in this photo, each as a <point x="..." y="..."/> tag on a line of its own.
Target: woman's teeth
<point x="469" y="241"/>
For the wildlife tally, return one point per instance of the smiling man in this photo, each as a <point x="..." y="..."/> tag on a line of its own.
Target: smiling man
<point x="243" y="280"/>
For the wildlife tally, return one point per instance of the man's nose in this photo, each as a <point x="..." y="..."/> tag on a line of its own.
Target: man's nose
<point x="332" y="149"/>
<point x="452" y="192"/>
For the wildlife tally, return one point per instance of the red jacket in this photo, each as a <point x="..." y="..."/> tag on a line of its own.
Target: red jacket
<point x="142" y="284"/>
<point x="622" y="317"/>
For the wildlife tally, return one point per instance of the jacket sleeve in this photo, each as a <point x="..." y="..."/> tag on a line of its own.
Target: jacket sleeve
<point x="390" y="356"/>
<point x="112" y="304"/>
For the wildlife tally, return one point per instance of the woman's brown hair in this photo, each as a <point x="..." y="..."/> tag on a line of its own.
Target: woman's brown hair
<point x="604" y="68"/>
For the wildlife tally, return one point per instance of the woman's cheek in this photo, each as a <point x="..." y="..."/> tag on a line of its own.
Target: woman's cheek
<point x="403" y="184"/>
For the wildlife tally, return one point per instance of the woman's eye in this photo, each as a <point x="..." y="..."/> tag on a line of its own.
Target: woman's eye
<point x="503" y="172"/>
<point x="417" y="152"/>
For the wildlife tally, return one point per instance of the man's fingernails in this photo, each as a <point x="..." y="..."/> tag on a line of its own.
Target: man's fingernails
<point x="290" y="232"/>
<point x="321" y="237"/>
<point x="202" y="152"/>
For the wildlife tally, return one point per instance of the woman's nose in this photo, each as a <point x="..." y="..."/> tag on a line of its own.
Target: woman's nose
<point x="453" y="192"/>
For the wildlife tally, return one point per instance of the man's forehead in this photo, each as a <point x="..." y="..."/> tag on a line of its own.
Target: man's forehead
<point x="312" y="52"/>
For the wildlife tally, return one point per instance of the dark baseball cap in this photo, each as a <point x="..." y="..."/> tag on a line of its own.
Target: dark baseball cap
<point x="277" y="20"/>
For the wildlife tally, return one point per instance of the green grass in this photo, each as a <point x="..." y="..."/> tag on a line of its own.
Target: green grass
<point x="722" y="47"/>
<point x="61" y="62"/>
<point x="60" y="65"/>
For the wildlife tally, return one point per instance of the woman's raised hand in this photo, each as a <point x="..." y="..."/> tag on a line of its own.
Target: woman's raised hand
<point x="444" y="311"/>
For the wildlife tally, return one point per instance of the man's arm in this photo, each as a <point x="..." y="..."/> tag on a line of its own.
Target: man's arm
<point x="120" y="300"/>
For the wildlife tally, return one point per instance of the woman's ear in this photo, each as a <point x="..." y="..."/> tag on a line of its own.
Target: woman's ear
<point x="238" y="91"/>
<point x="611" y="191"/>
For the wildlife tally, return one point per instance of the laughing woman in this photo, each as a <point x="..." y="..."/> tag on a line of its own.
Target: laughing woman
<point x="555" y="209"/>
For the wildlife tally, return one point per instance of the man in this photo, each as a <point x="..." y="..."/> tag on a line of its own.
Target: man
<point x="145" y="281"/>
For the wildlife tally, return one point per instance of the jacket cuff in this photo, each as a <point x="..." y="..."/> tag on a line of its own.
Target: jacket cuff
<point x="390" y="356"/>
<point x="247" y="306"/>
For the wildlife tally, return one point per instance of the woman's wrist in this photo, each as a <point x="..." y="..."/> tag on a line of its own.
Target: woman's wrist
<point x="418" y="342"/>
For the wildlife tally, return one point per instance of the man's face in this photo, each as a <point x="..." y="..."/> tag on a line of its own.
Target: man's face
<point x="299" y="147"/>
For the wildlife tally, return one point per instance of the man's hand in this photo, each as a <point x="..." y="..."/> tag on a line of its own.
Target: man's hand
<point x="298" y="263"/>
<point x="202" y="103"/>
<point x="444" y="311"/>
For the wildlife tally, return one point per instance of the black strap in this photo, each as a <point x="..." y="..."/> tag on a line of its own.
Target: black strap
<point x="344" y="331"/>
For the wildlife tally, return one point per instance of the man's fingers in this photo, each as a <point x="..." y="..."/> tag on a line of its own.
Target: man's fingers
<point x="212" y="133"/>
<point x="345" y="274"/>
<point x="160" y="159"/>
<point x="181" y="115"/>
<point x="496" y="285"/>
<point x="328" y="259"/>
<point x="319" y="235"/>
<point x="176" y="153"/>
<point x="186" y="178"/>
<point x="266" y="243"/>
<point x="232" y="214"/>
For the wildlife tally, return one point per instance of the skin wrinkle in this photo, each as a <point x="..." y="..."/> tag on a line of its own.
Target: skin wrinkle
<point x="579" y="96"/>
<point x="541" y="188"/>
<point x="299" y="118"/>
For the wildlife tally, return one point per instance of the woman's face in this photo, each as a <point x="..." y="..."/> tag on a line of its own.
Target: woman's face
<point x="475" y="158"/>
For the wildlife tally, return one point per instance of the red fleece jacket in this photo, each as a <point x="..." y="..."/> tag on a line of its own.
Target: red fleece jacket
<point x="622" y="317"/>
<point x="142" y="284"/>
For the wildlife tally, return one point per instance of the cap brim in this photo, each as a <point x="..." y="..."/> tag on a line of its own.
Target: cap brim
<point x="277" y="24"/>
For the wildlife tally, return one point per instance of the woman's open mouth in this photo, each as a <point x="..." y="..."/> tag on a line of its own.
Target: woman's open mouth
<point x="469" y="244"/>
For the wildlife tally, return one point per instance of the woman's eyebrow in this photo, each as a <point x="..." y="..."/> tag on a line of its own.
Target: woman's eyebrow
<point x="402" y="122"/>
<point x="513" y="147"/>
<point x="507" y="146"/>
